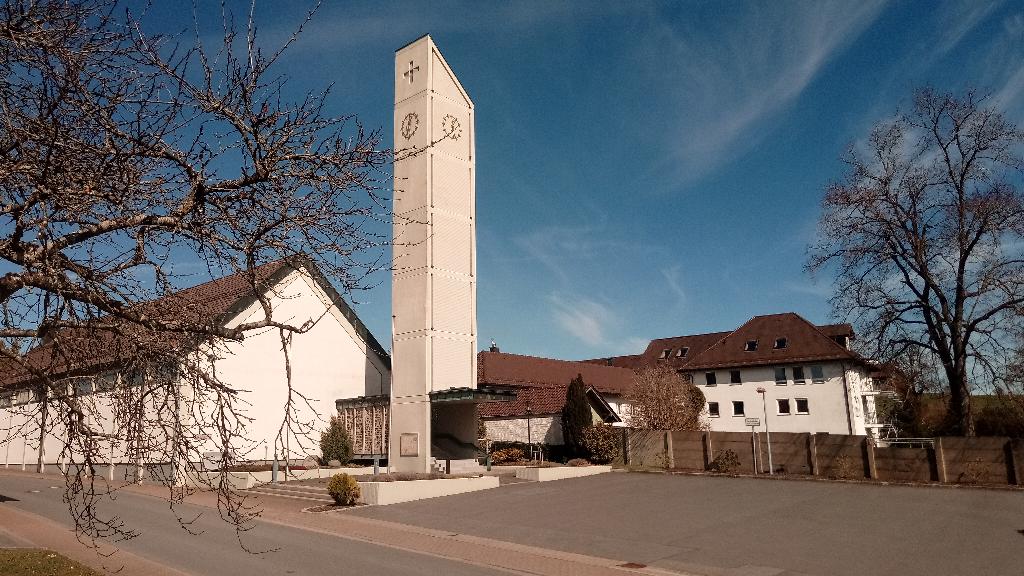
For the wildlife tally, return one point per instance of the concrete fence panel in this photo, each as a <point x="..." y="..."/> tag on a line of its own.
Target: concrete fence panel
<point x="688" y="450"/>
<point x="647" y="448"/>
<point x="739" y="443"/>
<point x="977" y="460"/>
<point x="842" y="456"/>
<point x="899" y="464"/>
<point x="790" y="452"/>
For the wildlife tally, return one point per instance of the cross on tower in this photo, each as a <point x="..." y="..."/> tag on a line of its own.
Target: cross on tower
<point x="409" y="73"/>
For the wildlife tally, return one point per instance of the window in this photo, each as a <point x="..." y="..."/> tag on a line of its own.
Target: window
<point x="780" y="376"/>
<point x="817" y="374"/>
<point x="83" y="386"/>
<point x="802" y="407"/>
<point x="710" y="378"/>
<point x="105" y="382"/>
<point x="713" y="409"/>
<point x="737" y="408"/>
<point x="734" y="377"/>
<point x="798" y="375"/>
<point x="6" y="400"/>
<point x="681" y="353"/>
<point x="665" y="353"/>
<point x="783" y="406"/>
<point x="781" y="343"/>
<point x="750" y="346"/>
<point x="25" y="396"/>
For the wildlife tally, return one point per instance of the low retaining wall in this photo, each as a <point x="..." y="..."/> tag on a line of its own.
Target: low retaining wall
<point x="989" y="460"/>
<point x="559" y="472"/>
<point x="382" y="493"/>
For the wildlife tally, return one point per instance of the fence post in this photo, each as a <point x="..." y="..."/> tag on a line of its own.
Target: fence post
<point x="812" y="447"/>
<point x="1016" y="453"/>
<point x="708" y="454"/>
<point x="669" y="452"/>
<point x="872" y="466"/>
<point x="940" y="461"/>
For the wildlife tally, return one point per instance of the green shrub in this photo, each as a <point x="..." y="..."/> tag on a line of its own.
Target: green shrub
<point x="602" y="443"/>
<point x="578" y="462"/>
<point x="344" y="489"/>
<point x="726" y="462"/>
<point x="507" y="456"/>
<point x="335" y="443"/>
<point x="576" y="417"/>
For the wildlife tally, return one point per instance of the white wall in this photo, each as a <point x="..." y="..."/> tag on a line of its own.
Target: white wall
<point x="827" y="401"/>
<point x="328" y="362"/>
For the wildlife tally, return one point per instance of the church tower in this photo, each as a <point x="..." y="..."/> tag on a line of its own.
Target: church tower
<point x="433" y="297"/>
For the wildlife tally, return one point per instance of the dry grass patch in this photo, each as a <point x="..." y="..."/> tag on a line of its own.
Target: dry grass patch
<point x="36" y="562"/>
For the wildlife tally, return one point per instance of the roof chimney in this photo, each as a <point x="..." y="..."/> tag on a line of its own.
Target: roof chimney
<point x="494" y="346"/>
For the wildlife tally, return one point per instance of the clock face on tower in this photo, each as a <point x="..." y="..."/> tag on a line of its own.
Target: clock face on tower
<point x="451" y="127"/>
<point x="409" y="125"/>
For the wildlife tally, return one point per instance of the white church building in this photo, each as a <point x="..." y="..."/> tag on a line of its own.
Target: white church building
<point x="337" y="357"/>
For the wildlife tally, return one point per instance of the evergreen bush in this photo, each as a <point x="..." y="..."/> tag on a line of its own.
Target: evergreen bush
<point x="344" y="489"/>
<point x="335" y="443"/>
<point x="576" y="416"/>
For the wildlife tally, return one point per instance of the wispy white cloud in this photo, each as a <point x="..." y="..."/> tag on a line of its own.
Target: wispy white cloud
<point x="809" y="288"/>
<point x="673" y="277"/>
<point x="957" y="20"/>
<point x="586" y="319"/>
<point x="728" y="83"/>
<point x="562" y="248"/>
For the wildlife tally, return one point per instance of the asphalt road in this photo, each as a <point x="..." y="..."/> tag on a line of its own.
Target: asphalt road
<point x="217" y="551"/>
<point x="737" y="526"/>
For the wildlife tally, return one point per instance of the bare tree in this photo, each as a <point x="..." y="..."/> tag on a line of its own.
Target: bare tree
<point x="664" y="399"/>
<point x="924" y="234"/>
<point x="122" y="157"/>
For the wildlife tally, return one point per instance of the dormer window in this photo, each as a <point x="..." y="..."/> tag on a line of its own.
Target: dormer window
<point x="665" y="353"/>
<point x="681" y="353"/>
<point x="781" y="343"/>
<point x="750" y="346"/>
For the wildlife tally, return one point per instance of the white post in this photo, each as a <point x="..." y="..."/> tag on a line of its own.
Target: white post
<point x="767" y="432"/>
<point x="24" y="452"/>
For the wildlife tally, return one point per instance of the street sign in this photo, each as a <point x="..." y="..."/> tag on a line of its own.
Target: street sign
<point x="752" y="421"/>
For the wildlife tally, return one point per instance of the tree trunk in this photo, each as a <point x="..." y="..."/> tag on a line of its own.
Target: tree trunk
<point x="40" y="458"/>
<point x="959" y="402"/>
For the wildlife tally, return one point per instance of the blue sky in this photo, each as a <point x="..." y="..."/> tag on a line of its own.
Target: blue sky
<point x="648" y="170"/>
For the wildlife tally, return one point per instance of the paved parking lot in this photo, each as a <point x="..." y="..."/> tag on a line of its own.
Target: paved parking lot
<point x="739" y="526"/>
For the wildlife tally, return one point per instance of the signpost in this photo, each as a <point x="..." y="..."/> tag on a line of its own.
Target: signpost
<point x="753" y="423"/>
<point x="767" y="432"/>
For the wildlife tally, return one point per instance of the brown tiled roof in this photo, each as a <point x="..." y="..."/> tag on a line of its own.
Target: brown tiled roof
<point x="833" y="330"/>
<point x="695" y="345"/>
<point x="541" y="400"/>
<point x="215" y="301"/>
<point x="804" y="342"/>
<point x="502" y="369"/>
<point x="631" y="361"/>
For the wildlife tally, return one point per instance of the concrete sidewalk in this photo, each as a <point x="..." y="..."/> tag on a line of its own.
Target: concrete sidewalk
<point x="475" y="550"/>
<point x="472" y="550"/>
<point x="20" y="529"/>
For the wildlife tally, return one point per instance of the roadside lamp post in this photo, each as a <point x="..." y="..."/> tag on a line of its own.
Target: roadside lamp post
<point x="529" y="429"/>
<point x="767" y="433"/>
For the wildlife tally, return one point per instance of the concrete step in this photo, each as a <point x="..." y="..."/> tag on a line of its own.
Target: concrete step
<point x="297" y="492"/>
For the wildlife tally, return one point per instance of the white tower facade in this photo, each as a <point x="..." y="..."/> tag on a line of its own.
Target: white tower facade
<point x="434" y="254"/>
